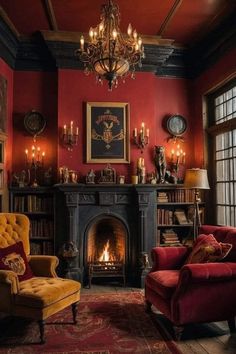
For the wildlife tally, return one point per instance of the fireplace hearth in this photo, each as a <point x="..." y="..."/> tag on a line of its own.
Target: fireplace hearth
<point x="113" y="227"/>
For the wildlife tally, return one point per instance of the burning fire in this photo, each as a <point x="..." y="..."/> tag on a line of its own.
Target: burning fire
<point x="105" y="257"/>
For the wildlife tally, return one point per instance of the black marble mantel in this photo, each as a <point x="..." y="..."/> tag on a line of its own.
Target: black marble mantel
<point x="78" y="205"/>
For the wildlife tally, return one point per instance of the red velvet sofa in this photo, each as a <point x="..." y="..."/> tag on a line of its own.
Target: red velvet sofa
<point x="193" y="293"/>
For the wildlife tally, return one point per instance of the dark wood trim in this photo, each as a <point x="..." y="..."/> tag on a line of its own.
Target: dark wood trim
<point x="169" y="17"/>
<point x="222" y="127"/>
<point x="51" y="15"/>
<point x="9" y="23"/>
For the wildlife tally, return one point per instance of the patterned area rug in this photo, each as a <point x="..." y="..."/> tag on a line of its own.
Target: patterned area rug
<point x="107" y="324"/>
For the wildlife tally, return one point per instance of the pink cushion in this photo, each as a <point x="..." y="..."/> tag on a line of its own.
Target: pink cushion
<point x="163" y="282"/>
<point x="14" y="258"/>
<point x="207" y="249"/>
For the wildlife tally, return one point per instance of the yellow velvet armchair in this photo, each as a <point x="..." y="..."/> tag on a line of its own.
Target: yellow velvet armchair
<point x="41" y="295"/>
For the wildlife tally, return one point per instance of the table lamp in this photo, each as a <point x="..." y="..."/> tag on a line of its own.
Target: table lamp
<point x="196" y="178"/>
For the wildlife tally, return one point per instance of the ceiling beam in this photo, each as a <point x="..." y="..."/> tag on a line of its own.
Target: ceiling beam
<point x="51" y="15"/>
<point x="9" y="23"/>
<point x="169" y="17"/>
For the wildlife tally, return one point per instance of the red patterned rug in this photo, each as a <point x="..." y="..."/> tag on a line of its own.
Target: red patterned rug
<point x="107" y="324"/>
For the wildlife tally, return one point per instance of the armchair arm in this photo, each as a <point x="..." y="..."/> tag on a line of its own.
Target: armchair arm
<point x="207" y="272"/>
<point x="44" y="266"/>
<point x="9" y="280"/>
<point x="168" y="257"/>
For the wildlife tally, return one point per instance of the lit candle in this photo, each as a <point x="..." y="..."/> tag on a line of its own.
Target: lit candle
<point x="82" y="43"/>
<point x="71" y="127"/>
<point x="26" y="154"/>
<point x="64" y="129"/>
<point x="142" y="129"/>
<point x="129" y="30"/>
<point x="135" y="132"/>
<point x="77" y="130"/>
<point x="177" y="155"/>
<point x="147" y="132"/>
<point x="135" y="34"/>
<point x="183" y="158"/>
<point x="114" y="34"/>
<point x="38" y="154"/>
<point x="172" y="154"/>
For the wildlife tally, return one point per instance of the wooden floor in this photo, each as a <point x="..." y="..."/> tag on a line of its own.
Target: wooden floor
<point x="213" y="338"/>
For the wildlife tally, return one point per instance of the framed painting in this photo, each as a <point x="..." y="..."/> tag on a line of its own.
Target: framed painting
<point x="107" y="132"/>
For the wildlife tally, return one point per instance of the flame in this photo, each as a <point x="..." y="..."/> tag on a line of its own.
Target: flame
<point x="105" y="254"/>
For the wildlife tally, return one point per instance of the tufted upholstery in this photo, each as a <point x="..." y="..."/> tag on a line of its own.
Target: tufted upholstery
<point x="41" y="296"/>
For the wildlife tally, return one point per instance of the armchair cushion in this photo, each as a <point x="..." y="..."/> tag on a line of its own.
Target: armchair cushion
<point x="163" y="282"/>
<point x="207" y="249"/>
<point x="14" y="258"/>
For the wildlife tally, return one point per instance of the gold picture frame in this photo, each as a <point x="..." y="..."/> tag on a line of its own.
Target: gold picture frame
<point x="108" y="132"/>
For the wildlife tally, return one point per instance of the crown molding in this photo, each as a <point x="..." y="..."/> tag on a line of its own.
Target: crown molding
<point x="49" y="50"/>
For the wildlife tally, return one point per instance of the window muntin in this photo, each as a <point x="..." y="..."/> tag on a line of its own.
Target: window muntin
<point x="225" y="158"/>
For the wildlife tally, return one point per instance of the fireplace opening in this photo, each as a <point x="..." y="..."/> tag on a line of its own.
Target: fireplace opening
<point x="106" y="249"/>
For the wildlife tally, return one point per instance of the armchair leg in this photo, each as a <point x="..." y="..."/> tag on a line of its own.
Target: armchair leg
<point x="178" y="330"/>
<point x="231" y="324"/>
<point x="74" y="311"/>
<point x="148" y="306"/>
<point x="41" y="331"/>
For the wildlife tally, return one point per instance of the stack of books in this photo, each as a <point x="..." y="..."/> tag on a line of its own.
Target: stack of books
<point x="170" y="238"/>
<point x="162" y="197"/>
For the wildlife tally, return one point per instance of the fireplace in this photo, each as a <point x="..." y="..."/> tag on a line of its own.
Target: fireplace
<point x="115" y="224"/>
<point x="106" y="249"/>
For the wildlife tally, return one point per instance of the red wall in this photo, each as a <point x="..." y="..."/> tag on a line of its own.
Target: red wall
<point x="150" y="98"/>
<point x="35" y="90"/>
<point x="7" y="72"/>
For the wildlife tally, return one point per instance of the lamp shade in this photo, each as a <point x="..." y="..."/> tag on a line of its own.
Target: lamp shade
<point x="196" y="178"/>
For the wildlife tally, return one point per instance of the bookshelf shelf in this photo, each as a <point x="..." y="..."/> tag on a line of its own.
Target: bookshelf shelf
<point x="174" y="208"/>
<point x="39" y="205"/>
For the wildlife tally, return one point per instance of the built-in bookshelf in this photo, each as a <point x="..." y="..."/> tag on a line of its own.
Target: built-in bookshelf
<point x="175" y="213"/>
<point x="39" y="205"/>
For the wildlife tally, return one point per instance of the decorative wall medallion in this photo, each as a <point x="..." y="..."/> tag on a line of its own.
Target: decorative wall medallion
<point x="34" y="122"/>
<point x="106" y="198"/>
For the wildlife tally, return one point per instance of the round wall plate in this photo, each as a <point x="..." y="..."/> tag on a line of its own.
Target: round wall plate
<point x="34" y="122"/>
<point x="176" y="125"/>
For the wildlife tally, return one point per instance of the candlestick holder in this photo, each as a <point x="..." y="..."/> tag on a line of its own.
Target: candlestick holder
<point x="70" y="136"/>
<point x="141" y="139"/>
<point x="177" y="159"/>
<point x="34" y="163"/>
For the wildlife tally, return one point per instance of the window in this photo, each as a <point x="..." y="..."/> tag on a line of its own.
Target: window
<point x="222" y="127"/>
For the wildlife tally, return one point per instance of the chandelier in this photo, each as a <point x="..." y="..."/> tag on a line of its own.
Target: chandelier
<point x="108" y="53"/>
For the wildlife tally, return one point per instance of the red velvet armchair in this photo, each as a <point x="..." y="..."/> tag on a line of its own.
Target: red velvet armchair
<point x="193" y="293"/>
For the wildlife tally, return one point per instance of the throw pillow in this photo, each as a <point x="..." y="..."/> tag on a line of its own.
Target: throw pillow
<point x="207" y="249"/>
<point x="14" y="258"/>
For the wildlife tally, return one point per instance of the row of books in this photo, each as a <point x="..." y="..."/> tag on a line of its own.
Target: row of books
<point x="41" y="228"/>
<point x="176" y="196"/>
<point x="45" y="247"/>
<point x="33" y="203"/>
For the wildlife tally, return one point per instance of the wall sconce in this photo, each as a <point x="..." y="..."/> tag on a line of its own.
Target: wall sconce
<point x="70" y="137"/>
<point x="141" y="139"/>
<point x="34" y="162"/>
<point x="178" y="157"/>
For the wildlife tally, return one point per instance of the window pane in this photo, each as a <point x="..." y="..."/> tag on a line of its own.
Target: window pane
<point x="225" y="159"/>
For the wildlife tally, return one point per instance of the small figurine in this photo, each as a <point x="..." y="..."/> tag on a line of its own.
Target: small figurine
<point x="90" y="178"/>
<point x="160" y="163"/>
<point x="48" y="177"/>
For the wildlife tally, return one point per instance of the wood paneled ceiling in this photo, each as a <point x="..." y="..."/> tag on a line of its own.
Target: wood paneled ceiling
<point x="183" y="21"/>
